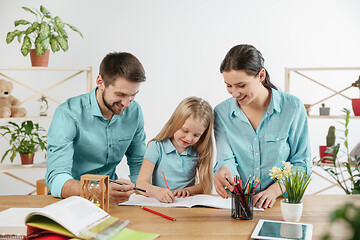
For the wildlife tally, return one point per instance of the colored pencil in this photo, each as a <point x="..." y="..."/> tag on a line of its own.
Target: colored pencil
<point x="136" y="188"/>
<point x="157" y="213"/>
<point x="165" y="179"/>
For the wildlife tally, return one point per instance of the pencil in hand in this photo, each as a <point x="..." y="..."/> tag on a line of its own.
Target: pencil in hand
<point x="165" y="180"/>
<point x="120" y="183"/>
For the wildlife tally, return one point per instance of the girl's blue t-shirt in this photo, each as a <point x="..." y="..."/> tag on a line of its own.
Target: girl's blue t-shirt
<point x="179" y="169"/>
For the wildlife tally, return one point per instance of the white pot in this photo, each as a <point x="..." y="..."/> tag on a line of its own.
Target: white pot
<point x="291" y="212"/>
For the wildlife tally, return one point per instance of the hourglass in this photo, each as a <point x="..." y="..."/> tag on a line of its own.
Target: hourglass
<point x="95" y="188"/>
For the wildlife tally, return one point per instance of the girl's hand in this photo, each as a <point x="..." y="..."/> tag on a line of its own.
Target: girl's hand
<point x="181" y="193"/>
<point x="165" y="195"/>
<point x="220" y="180"/>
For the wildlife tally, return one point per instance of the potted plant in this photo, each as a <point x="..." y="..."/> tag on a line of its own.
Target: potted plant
<point x="324" y="111"/>
<point x="346" y="173"/>
<point x="25" y="139"/>
<point x="356" y="101"/>
<point x="45" y="31"/>
<point x="295" y="181"/>
<point x="327" y="150"/>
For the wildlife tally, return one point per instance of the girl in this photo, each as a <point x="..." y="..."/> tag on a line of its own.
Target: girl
<point x="258" y="128"/>
<point x="182" y="150"/>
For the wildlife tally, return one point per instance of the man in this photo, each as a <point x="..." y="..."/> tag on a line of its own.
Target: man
<point x="90" y="133"/>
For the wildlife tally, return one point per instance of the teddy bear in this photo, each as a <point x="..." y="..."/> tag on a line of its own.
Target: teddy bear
<point x="9" y="104"/>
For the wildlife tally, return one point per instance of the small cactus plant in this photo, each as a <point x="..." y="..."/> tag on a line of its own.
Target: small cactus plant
<point x="330" y="138"/>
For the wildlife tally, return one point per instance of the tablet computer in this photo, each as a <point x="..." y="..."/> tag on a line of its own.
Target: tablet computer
<point x="278" y="230"/>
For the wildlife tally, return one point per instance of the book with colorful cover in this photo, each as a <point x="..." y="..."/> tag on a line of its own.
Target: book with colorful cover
<point x="73" y="217"/>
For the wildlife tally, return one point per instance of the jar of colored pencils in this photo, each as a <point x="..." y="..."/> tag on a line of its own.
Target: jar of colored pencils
<point x="242" y="206"/>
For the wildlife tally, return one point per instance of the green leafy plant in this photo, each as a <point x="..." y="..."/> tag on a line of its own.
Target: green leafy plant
<point x="295" y="181"/>
<point x="349" y="214"/>
<point x="45" y="31"/>
<point x="24" y="138"/>
<point x="350" y="168"/>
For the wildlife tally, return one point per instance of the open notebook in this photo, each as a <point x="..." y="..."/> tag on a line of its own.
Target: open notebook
<point x="197" y="200"/>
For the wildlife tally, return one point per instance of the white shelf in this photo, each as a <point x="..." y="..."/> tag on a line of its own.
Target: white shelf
<point x="46" y="68"/>
<point x="332" y="117"/>
<point x="36" y="118"/>
<point x="73" y="72"/>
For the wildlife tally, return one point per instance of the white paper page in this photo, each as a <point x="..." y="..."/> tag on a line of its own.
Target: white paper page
<point x="197" y="200"/>
<point x="75" y="214"/>
<point x="12" y="220"/>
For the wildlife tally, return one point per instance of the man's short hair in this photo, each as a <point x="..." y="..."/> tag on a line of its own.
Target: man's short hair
<point x="121" y="64"/>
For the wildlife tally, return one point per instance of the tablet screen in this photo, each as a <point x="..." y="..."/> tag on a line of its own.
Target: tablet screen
<point x="268" y="229"/>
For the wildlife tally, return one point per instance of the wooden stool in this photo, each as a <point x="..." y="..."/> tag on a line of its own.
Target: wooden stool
<point x="41" y="188"/>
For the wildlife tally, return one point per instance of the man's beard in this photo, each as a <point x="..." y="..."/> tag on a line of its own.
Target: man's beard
<point x="111" y="107"/>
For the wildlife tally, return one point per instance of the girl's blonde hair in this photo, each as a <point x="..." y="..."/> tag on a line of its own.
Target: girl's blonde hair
<point x="201" y="110"/>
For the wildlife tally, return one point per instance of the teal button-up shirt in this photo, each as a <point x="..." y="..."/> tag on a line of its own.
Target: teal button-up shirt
<point x="180" y="170"/>
<point x="82" y="141"/>
<point x="281" y="136"/>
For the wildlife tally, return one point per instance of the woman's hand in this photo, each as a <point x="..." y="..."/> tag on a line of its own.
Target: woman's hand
<point x="164" y="195"/>
<point x="223" y="177"/>
<point x="181" y="193"/>
<point x="121" y="193"/>
<point x="267" y="198"/>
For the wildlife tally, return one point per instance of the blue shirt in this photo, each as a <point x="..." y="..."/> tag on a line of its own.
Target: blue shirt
<point x="82" y="141"/>
<point x="281" y="136"/>
<point x="180" y="170"/>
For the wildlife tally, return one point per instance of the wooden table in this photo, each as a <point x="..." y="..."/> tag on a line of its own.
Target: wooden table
<point x="201" y="222"/>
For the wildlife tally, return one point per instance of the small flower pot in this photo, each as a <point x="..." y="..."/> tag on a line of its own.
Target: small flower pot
<point x="27" y="160"/>
<point x="291" y="212"/>
<point x="323" y="154"/>
<point x="356" y="106"/>
<point x="39" y="61"/>
<point x="324" y="111"/>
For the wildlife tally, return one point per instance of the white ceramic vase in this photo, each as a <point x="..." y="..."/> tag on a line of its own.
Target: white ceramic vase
<point x="291" y="212"/>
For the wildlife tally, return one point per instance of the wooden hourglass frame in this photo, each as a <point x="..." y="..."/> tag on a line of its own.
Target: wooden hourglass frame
<point x="104" y="188"/>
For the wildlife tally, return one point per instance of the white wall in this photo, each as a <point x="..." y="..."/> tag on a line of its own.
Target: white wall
<point x="181" y="43"/>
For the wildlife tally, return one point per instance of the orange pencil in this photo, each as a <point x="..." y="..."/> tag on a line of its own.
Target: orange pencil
<point x="165" y="180"/>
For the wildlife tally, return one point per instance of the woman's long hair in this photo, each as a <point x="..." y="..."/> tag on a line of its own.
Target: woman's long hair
<point x="248" y="58"/>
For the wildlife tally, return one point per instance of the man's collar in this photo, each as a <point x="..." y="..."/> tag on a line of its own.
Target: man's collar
<point x="95" y="108"/>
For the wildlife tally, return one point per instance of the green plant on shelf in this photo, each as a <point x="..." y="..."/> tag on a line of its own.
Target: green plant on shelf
<point x="44" y="32"/>
<point x="350" y="168"/>
<point x="26" y="137"/>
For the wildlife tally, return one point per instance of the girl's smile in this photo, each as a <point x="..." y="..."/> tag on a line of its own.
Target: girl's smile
<point x="188" y="134"/>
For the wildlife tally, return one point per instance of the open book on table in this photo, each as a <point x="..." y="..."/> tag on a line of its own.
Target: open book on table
<point x="196" y="200"/>
<point x="73" y="217"/>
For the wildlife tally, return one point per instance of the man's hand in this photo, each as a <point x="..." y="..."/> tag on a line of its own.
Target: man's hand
<point x="121" y="193"/>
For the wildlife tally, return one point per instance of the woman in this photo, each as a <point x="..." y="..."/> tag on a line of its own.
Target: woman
<point x="258" y="128"/>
